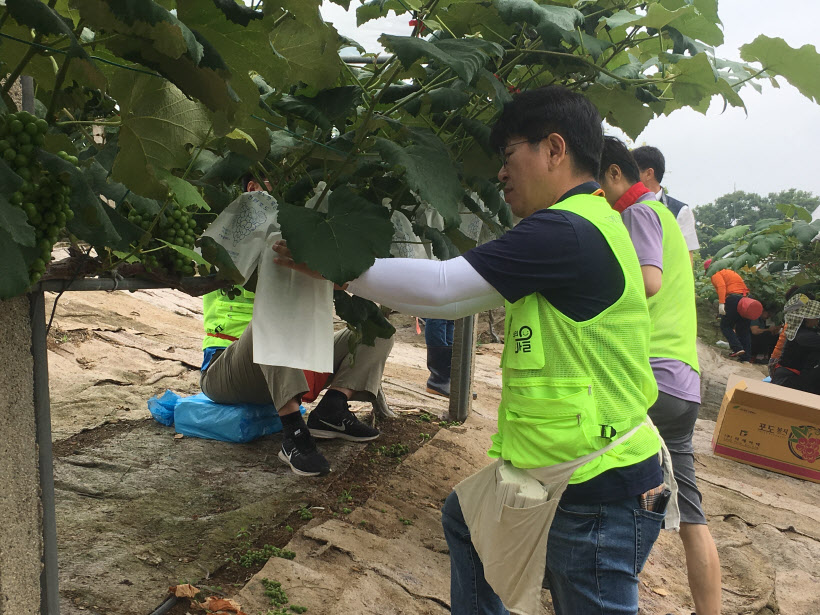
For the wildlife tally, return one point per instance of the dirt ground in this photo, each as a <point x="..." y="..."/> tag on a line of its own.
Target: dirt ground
<point x="140" y="510"/>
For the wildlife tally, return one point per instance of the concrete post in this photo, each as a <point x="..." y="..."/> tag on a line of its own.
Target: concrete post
<point x="21" y="536"/>
<point x="463" y="365"/>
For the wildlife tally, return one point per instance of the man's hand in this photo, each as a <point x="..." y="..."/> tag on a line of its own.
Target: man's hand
<point x="285" y="258"/>
<point x="722" y="309"/>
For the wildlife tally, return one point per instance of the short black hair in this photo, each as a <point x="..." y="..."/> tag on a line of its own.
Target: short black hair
<point x="616" y="152"/>
<point x="535" y="114"/>
<point x="649" y="157"/>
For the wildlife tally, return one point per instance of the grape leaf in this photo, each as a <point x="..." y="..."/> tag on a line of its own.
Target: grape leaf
<point x="373" y="9"/>
<point x="15" y="222"/>
<point x="343" y="243"/>
<point x="145" y="32"/>
<point x="9" y="180"/>
<point x="158" y="122"/>
<point x="464" y="56"/>
<point x="492" y="85"/>
<point x="554" y="23"/>
<point x="438" y="101"/>
<point x="238" y="14"/>
<point x="443" y="247"/>
<point x="45" y="20"/>
<point x="489" y="193"/>
<point x="620" y="108"/>
<point x="429" y="171"/>
<point x="186" y="252"/>
<point x="621" y="18"/>
<point x="302" y="109"/>
<point x="215" y="254"/>
<point x="309" y="52"/>
<point x="697" y="81"/>
<point x="363" y="316"/>
<point x="184" y="193"/>
<point x="242" y="38"/>
<point x="657" y="16"/>
<point x="146" y="20"/>
<point x="800" y="67"/>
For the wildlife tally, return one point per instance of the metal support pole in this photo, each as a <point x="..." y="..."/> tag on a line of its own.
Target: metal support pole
<point x="461" y="374"/>
<point x="354" y="59"/>
<point x="57" y="286"/>
<point x="27" y="85"/>
<point x="49" y="583"/>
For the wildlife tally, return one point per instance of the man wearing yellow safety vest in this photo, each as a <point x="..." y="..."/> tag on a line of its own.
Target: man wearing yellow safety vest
<point x="576" y="379"/>
<point x="230" y="376"/>
<point x="670" y="291"/>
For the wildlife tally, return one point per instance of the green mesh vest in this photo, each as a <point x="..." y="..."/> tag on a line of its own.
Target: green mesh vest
<point x="672" y="309"/>
<point x="225" y="319"/>
<point x="569" y="388"/>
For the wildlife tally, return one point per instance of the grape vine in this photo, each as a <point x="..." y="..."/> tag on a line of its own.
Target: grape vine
<point x="147" y="114"/>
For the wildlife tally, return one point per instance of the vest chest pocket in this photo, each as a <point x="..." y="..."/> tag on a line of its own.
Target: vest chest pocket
<point x="543" y="429"/>
<point x="523" y="343"/>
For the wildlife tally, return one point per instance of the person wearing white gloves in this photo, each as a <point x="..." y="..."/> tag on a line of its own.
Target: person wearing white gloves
<point x="731" y="289"/>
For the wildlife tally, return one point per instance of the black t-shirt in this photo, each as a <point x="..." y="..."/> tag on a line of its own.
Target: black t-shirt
<point x="565" y="257"/>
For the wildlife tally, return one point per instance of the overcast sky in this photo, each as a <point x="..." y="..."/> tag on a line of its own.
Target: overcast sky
<point x="774" y="148"/>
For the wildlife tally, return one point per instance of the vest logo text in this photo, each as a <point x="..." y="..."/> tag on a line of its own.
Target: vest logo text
<point x="522" y="339"/>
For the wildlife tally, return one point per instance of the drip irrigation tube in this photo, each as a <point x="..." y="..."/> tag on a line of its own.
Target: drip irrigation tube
<point x="166" y="606"/>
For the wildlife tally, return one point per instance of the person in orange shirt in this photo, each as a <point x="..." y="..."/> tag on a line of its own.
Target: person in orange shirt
<point x="731" y="289"/>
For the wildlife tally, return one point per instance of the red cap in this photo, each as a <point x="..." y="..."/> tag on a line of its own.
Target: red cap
<point x="706" y="264"/>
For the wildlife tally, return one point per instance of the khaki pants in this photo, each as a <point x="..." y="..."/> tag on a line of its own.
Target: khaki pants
<point x="233" y="377"/>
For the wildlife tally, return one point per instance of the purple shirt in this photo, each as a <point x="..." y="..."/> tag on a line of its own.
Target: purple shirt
<point x="674" y="377"/>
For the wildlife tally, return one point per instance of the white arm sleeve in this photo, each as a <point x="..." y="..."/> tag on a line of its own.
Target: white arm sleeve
<point x="686" y="222"/>
<point x="433" y="289"/>
<point x="459" y="309"/>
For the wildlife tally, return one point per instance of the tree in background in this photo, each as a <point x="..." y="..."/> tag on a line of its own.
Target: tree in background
<point x="773" y="253"/>
<point x="744" y="208"/>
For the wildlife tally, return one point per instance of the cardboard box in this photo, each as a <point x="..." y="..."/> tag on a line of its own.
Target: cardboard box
<point x="771" y="427"/>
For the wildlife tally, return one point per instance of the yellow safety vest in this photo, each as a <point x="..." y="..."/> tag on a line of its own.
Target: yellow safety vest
<point x="225" y="319"/>
<point x="569" y="388"/>
<point x="672" y="309"/>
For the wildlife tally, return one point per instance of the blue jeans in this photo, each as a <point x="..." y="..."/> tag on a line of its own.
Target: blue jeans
<point x="594" y="555"/>
<point x="438" y="332"/>
<point x="737" y="329"/>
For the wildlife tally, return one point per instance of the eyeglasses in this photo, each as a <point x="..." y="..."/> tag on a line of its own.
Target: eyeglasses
<point x="503" y="150"/>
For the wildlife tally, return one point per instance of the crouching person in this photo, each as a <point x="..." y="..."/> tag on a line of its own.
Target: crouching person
<point x="230" y="376"/>
<point x="576" y="490"/>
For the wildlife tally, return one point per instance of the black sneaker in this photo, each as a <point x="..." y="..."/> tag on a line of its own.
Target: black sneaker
<point x="341" y="424"/>
<point x="300" y="453"/>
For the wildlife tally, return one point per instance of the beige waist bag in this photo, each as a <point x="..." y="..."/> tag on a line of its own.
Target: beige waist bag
<point x="509" y="512"/>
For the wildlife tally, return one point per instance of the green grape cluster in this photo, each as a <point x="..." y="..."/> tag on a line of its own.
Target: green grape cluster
<point x="177" y="226"/>
<point x="43" y="196"/>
